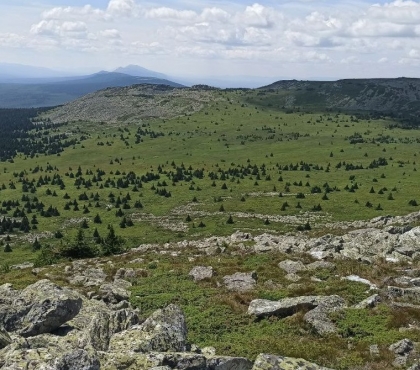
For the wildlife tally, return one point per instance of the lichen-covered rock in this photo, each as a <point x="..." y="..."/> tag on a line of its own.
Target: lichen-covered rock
<point x="165" y="330"/>
<point x="319" y="319"/>
<point x="115" y="292"/>
<point x="184" y="360"/>
<point x="40" y="308"/>
<point x="78" y="359"/>
<point x="96" y="323"/>
<point x="228" y="363"/>
<point x="129" y="273"/>
<point x="130" y="360"/>
<point x="270" y="362"/>
<point x="318" y="265"/>
<point x="411" y="294"/>
<point x="284" y="307"/>
<point x="199" y="273"/>
<point x="87" y="277"/>
<point x="241" y="281"/>
<point x="5" y="339"/>
<point x="292" y="267"/>
<point x="369" y="302"/>
<point x="402" y="347"/>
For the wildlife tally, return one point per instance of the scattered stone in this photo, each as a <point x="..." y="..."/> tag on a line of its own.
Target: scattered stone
<point x="199" y="273"/>
<point x="126" y="274"/>
<point x="369" y="302"/>
<point x="318" y="265"/>
<point x="292" y="267"/>
<point x="137" y="260"/>
<point x="412" y="294"/>
<point x="293" y="277"/>
<point x="208" y="351"/>
<point x="358" y="279"/>
<point x="22" y="266"/>
<point x="402" y="347"/>
<point x="374" y="350"/>
<point x="270" y="362"/>
<point x="241" y="281"/>
<point x="36" y="271"/>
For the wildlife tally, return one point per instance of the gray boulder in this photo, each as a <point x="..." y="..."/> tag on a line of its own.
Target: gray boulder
<point x="115" y="292"/>
<point x="411" y="294"/>
<point x="228" y="363"/>
<point x="284" y="307"/>
<point x="240" y="281"/>
<point x="199" y="273"/>
<point x="319" y="319"/>
<point x="402" y="347"/>
<point x="270" y="362"/>
<point x="164" y="331"/>
<point x="40" y="308"/>
<point x="369" y="302"/>
<point x="292" y="267"/>
<point x="318" y="265"/>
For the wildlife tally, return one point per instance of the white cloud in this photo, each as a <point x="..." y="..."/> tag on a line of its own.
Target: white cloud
<point x="66" y="29"/>
<point x="111" y="34"/>
<point x="293" y="32"/>
<point x="171" y="14"/>
<point x="69" y="12"/>
<point x="258" y="15"/>
<point x="124" y="8"/>
<point x="12" y="40"/>
<point x="399" y="11"/>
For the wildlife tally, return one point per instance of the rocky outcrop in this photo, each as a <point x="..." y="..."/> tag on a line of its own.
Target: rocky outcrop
<point x="40" y="308"/>
<point x="164" y="331"/>
<point x="270" y="362"/>
<point x="95" y="336"/>
<point x="240" y="281"/>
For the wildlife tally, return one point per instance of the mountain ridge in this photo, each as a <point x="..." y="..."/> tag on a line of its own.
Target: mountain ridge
<point x="23" y="95"/>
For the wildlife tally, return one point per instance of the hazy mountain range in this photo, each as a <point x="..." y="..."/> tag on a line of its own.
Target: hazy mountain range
<point x="25" y="86"/>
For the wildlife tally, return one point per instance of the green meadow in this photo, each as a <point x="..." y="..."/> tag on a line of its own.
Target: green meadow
<point x="241" y="163"/>
<point x="262" y="168"/>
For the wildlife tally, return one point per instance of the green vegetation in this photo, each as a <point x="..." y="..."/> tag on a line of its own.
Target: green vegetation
<point x="230" y="166"/>
<point x="218" y="166"/>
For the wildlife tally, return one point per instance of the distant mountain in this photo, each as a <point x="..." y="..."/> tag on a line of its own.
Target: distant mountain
<point x="395" y="97"/>
<point x="134" y="70"/>
<point x="9" y="72"/>
<point x="25" y="95"/>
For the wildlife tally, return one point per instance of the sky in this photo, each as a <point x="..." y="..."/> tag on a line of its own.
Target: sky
<point x="302" y="39"/>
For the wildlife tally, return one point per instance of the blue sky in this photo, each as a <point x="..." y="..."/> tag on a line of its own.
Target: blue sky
<point x="274" y="39"/>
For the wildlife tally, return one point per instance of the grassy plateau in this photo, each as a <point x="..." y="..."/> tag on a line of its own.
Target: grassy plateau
<point x="244" y="163"/>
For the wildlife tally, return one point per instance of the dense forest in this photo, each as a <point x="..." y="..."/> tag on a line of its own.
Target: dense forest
<point x="19" y="134"/>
